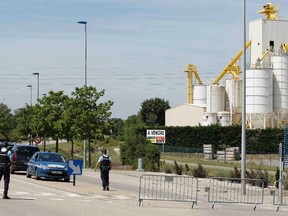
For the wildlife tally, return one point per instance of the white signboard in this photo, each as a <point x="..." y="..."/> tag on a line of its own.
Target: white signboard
<point x="156" y="136"/>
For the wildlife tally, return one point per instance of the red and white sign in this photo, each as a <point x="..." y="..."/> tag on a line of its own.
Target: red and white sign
<point x="156" y="136"/>
<point x="37" y="140"/>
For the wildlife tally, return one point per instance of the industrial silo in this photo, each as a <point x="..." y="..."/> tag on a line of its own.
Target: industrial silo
<point x="215" y="98"/>
<point x="200" y="95"/>
<point x="209" y="118"/>
<point x="224" y="118"/>
<point x="234" y="99"/>
<point x="280" y="88"/>
<point x="259" y="97"/>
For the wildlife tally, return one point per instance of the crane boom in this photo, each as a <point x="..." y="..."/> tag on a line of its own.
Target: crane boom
<point x="231" y="63"/>
<point x="191" y="69"/>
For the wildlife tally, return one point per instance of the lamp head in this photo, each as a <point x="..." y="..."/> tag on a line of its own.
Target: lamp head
<point x="82" y="22"/>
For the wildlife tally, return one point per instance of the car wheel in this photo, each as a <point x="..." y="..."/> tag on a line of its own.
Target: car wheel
<point x="27" y="174"/>
<point x="36" y="175"/>
<point x="67" y="179"/>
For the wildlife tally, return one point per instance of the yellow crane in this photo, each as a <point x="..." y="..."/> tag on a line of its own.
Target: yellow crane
<point x="229" y="67"/>
<point x="284" y="47"/>
<point x="269" y="11"/>
<point x="191" y="69"/>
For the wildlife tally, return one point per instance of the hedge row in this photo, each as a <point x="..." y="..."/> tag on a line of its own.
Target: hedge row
<point x="257" y="140"/>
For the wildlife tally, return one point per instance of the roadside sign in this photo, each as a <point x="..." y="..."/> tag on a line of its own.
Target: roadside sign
<point x="75" y="167"/>
<point x="38" y="140"/>
<point x="156" y="136"/>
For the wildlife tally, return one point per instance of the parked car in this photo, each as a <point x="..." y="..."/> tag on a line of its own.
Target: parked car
<point x="10" y="145"/>
<point x="48" y="165"/>
<point x="21" y="156"/>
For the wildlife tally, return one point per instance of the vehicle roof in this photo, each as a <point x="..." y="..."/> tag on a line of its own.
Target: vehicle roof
<point x="44" y="152"/>
<point x="25" y="145"/>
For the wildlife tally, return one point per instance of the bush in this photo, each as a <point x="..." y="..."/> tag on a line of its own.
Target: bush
<point x="199" y="172"/>
<point x="178" y="169"/>
<point x="166" y="168"/>
<point x="187" y="170"/>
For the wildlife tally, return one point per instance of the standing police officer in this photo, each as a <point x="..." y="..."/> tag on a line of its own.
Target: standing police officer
<point x="5" y="162"/>
<point x="105" y="163"/>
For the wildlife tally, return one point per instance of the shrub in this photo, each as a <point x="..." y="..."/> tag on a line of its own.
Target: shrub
<point x="187" y="170"/>
<point x="166" y="168"/>
<point x="178" y="169"/>
<point x="199" y="172"/>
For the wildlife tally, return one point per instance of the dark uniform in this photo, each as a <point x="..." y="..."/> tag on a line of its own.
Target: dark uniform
<point x="104" y="168"/>
<point x="5" y="169"/>
<point x="105" y="163"/>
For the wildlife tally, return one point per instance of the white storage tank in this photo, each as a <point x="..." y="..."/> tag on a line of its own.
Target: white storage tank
<point x="259" y="91"/>
<point x="215" y="98"/>
<point x="234" y="95"/>
<point x="200" y="95"/>
<point x="280" y="88"/>
<point x="224" y="118"/>
<point x="209" y="118"/>
<point x="259" y="98"/>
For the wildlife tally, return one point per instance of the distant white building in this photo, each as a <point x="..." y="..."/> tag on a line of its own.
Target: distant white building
<point x="185" y="115"/>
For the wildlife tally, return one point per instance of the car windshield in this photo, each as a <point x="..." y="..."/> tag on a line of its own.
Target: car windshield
<point x="51" y="157"/>
<point x="27" y="151"/>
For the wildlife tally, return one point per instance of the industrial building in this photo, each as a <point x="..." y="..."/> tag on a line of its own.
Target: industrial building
<point x="266" y="83"/>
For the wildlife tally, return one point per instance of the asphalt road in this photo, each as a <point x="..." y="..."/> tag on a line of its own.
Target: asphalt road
<point x="46" y="198"/>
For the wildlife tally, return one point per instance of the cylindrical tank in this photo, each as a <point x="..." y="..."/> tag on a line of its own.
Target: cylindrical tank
<point x="259" y="90"/>
<point x="209" y="118"/>
<point x="215" y="98"/>
<point x="224" y="118"/>
<point x="234" y="95"/>
<point x="259" y="98"/>
<point x="200" y="94"/>
<point x="280" y="82"/>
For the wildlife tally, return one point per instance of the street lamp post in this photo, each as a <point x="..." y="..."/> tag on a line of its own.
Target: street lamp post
<point x="30" y="134"/>
<point x="85" y="23"/>
<point x="37" y="74"/>
<point x="30" y="86"/>
<point x="243" y="134"/>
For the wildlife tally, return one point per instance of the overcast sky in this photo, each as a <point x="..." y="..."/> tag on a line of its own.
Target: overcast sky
<point x="137" y="49"/>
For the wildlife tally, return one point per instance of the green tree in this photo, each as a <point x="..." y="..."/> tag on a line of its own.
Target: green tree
<point x="152" y="111"/>
<point x="136" y="146"/>
<point x="23" y="124"/>
<point x="5" y="122"/>
<point x="48" y="119"/>
<point x="116" y="126"/>
<point x="90" y="115"/>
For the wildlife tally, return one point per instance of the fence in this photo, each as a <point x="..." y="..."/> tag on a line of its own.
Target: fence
<point x="280" y="197"/>
<point x="168" y="188"/>
<point x="229" y="190"/>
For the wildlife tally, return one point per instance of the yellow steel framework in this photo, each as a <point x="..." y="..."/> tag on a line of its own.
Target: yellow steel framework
<point x="191" y="69"/>
<point x="269" y="11"/>
<point x="284" y="47"/>
<point x="231" y="66"/>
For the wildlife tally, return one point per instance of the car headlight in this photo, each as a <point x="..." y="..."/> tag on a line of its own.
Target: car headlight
<point x="43" y="166"/>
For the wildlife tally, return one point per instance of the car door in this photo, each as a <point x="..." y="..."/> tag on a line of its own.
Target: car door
<point x="32" y="163"/>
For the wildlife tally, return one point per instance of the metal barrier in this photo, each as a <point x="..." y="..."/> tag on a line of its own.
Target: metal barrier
<point x="168" y="188"/>
<point x="280" y="197"/>
<point x="230" y="190"/>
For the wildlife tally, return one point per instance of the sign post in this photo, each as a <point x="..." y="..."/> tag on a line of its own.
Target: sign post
<point x="38" y="140"/>
<point x="75" y="168"/>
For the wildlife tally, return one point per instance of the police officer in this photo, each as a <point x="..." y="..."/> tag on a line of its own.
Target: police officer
<point x="5" y="162"/>
<point x="105" y="163"/>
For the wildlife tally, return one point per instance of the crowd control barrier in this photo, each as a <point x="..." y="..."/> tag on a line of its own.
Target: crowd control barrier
<point x="230" y="190"/>
<point x="168" y="188"/>
<point x="280" y="197"/>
